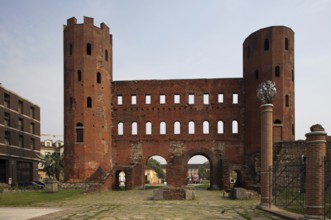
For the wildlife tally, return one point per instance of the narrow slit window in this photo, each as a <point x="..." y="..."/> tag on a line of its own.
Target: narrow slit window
<point x="256" y="74"/>
<point x="277" y="71"/>
<point x="177" y="99"/>
<point x="133" y="100"/>
<point x="79" y="133"/>
<point x="162" y="99"/>
<point x="98" y="77"/>
<point x="191" y="99"/>
<point x="220" y="98"/>
<point x="148" y="99"/>
<point x="266" y="44"/>
<point x="70" y="49"/>
<point x="119" y="100"/>
<point x="287" y="101"/>
<point x="88" y="49"/>
<point x="106" y="55"/>
<point x="89" y="102"/>
<point x="79" y="75"/>
<point x="286" y="43"/>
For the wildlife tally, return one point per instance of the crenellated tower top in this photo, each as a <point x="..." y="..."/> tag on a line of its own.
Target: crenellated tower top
<point x="87" y="21"/>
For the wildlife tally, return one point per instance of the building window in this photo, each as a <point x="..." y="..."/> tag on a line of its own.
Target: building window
<point x="256" y="74"/>
<point x="220" y="127"/>
<point x="277" y="71"/>
<point x="177" y="127"/>
<point x="119" y="100"/>
<point x="70" y="49"/>
<point x="292" y="75"/>
<point x="163" y="129"/>
<point x="205" y="129"/>
<point x="234" y="127"/>
<point x="21" y="141"/>
<point x="278" y="122"/>
<point x="148" y="128"/>
<point x="148" y="99"/>
<point x="191" y="99"/>
<point x="133" y="99"/>
<point x="293" y="130"/>
<point x="32" y="144"/>
<point x="79" y="75"/>
<point x="79" y="133"/>
<point x="88" y="49"/>
<point x="20" y="124"/>
<point x="266" y="44"/>
<point x="177" y="99"/>
<point x="162" y="99"/>
<point x="191" y="127"/>
<point x="206" y="99"/>
<point x="89" y="102"/>
<point x="287" y="101"/>
<point x="98" y="77"/>
<point x="120" y="128"/>
<point x="20" y="107"/>
<point x="235" y="99"/>
<point x="220" y="98"/>
<point x="7" y="119"/>
<point x="134" y="128"/>
<point x="6" y="102"/>
<point x="32" y="128"/>
<point x="106" y="55"/>
<point x="286" y="43"/>
<point x="32" y="112"/>
<point x="7" y="137"/>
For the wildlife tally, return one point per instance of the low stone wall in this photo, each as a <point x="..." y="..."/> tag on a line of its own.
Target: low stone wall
<point x="173" y="193"/>
<point x="86" y="187"/>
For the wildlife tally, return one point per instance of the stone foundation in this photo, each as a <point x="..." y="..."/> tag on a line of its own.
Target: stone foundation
<point x="173" y="193"/>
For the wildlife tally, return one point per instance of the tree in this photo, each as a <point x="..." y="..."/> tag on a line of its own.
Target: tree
<point x="53" y="164"/>
<point x="156" y="166"/>
<point x="203" y="173"/>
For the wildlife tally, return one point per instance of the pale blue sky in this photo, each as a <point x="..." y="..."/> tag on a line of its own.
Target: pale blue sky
<point x="164" y="40"/>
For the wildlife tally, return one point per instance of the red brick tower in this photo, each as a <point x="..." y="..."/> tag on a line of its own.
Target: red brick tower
<point x="87" y="101"/>
<point x="268" y="54"/>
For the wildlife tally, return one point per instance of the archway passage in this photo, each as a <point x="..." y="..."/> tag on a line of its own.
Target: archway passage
<point x="155" y="172"/>
<point x="199" y="172"/>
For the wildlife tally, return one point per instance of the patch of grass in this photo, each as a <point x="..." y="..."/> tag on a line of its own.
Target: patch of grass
<point x="148" y="187"/>
<point x="31" y="198"/>
<point x="202" y="186"/>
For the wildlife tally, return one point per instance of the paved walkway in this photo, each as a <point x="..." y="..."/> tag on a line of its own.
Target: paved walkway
<point x="137" y="204"/>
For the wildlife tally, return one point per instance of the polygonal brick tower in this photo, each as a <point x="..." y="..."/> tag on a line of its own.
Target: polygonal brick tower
<point x="268" y="54"/>
<point x="87" y="101"/>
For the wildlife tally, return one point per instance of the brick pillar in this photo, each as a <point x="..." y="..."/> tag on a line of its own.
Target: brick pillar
<point x="316" y="151"/>
<point x="266" y="155"/>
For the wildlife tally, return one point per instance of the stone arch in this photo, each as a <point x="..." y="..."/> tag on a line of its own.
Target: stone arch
<point x="152" y="177"/>
<point x="119" y="182"/>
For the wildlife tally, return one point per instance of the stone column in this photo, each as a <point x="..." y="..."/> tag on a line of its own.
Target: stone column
<point x="316" y="152"/>
<point x="266" y="155"/>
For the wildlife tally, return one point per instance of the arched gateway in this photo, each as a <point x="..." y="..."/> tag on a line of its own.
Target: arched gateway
<point x="123" y="123"/>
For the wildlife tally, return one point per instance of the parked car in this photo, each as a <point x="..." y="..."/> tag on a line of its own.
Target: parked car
<point x="32" y="184"/>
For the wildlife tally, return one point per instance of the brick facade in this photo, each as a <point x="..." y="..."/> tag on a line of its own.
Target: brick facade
<point x="130" y="121"/>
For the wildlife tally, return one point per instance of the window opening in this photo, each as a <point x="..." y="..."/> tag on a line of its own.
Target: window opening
<point x="162" y="99"/>
<point x="7" y="119"/>
<point x="191" y="99"/>
<point x="70" y="49"/>
<point x="148" y="99"/>
<point x="32" y="128"/>
<point x="120" y="128"/>
<point x="177" y="127"/>
<point x="133" y="99"/>
<point x="278" y="122"/>
<point x="106" y="55"/>
<point x="286" y="43"/>
<point x="20" y="107"/>
<point x="20" y="124"/>
<point x="7" y="138"/>
<point x="220" y="97"/>
<point x="163" y="128"/>
<point x="119" y="100"/>
<point x="177" y="99"/>
<point x="205" y="127"/>
<point x="191" y="127"/>
<point x="220" y="127"/>
<point x="79" y="75"/>
<point x="88" y="49"/>
<point x="277" y="71"/>
<point x="266" y="44"/>
<point x="206" y="99"/>
<point x="256" y="74"/>
<point x="21" y="141"/>
<point x="79" y="133"/>
<point x="6" y="100"/>
<point x="98" y="77"/>
<point x="234" y="127"/>
<point x="134" y="128"/>
<point x="148" y="128"/>
<point x="287" y="101"/>
<point x="89" y="102"/>
<point x="235" y="98"/>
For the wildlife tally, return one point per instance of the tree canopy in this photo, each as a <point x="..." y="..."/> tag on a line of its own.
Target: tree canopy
<point x="156" y="166"/>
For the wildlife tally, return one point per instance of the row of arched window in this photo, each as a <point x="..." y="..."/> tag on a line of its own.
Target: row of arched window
<point x="266" y="46"/>
<point x="88" y="50"/>
<point x="177" y="128"/>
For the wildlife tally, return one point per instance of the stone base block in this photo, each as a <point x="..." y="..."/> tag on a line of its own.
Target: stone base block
<point x="173" y="193"/>
<point x="241" y="193"/>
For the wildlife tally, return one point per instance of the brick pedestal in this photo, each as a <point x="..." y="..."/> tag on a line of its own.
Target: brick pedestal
<point x="266" y="154"/>
<point x="316" y="144"/>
